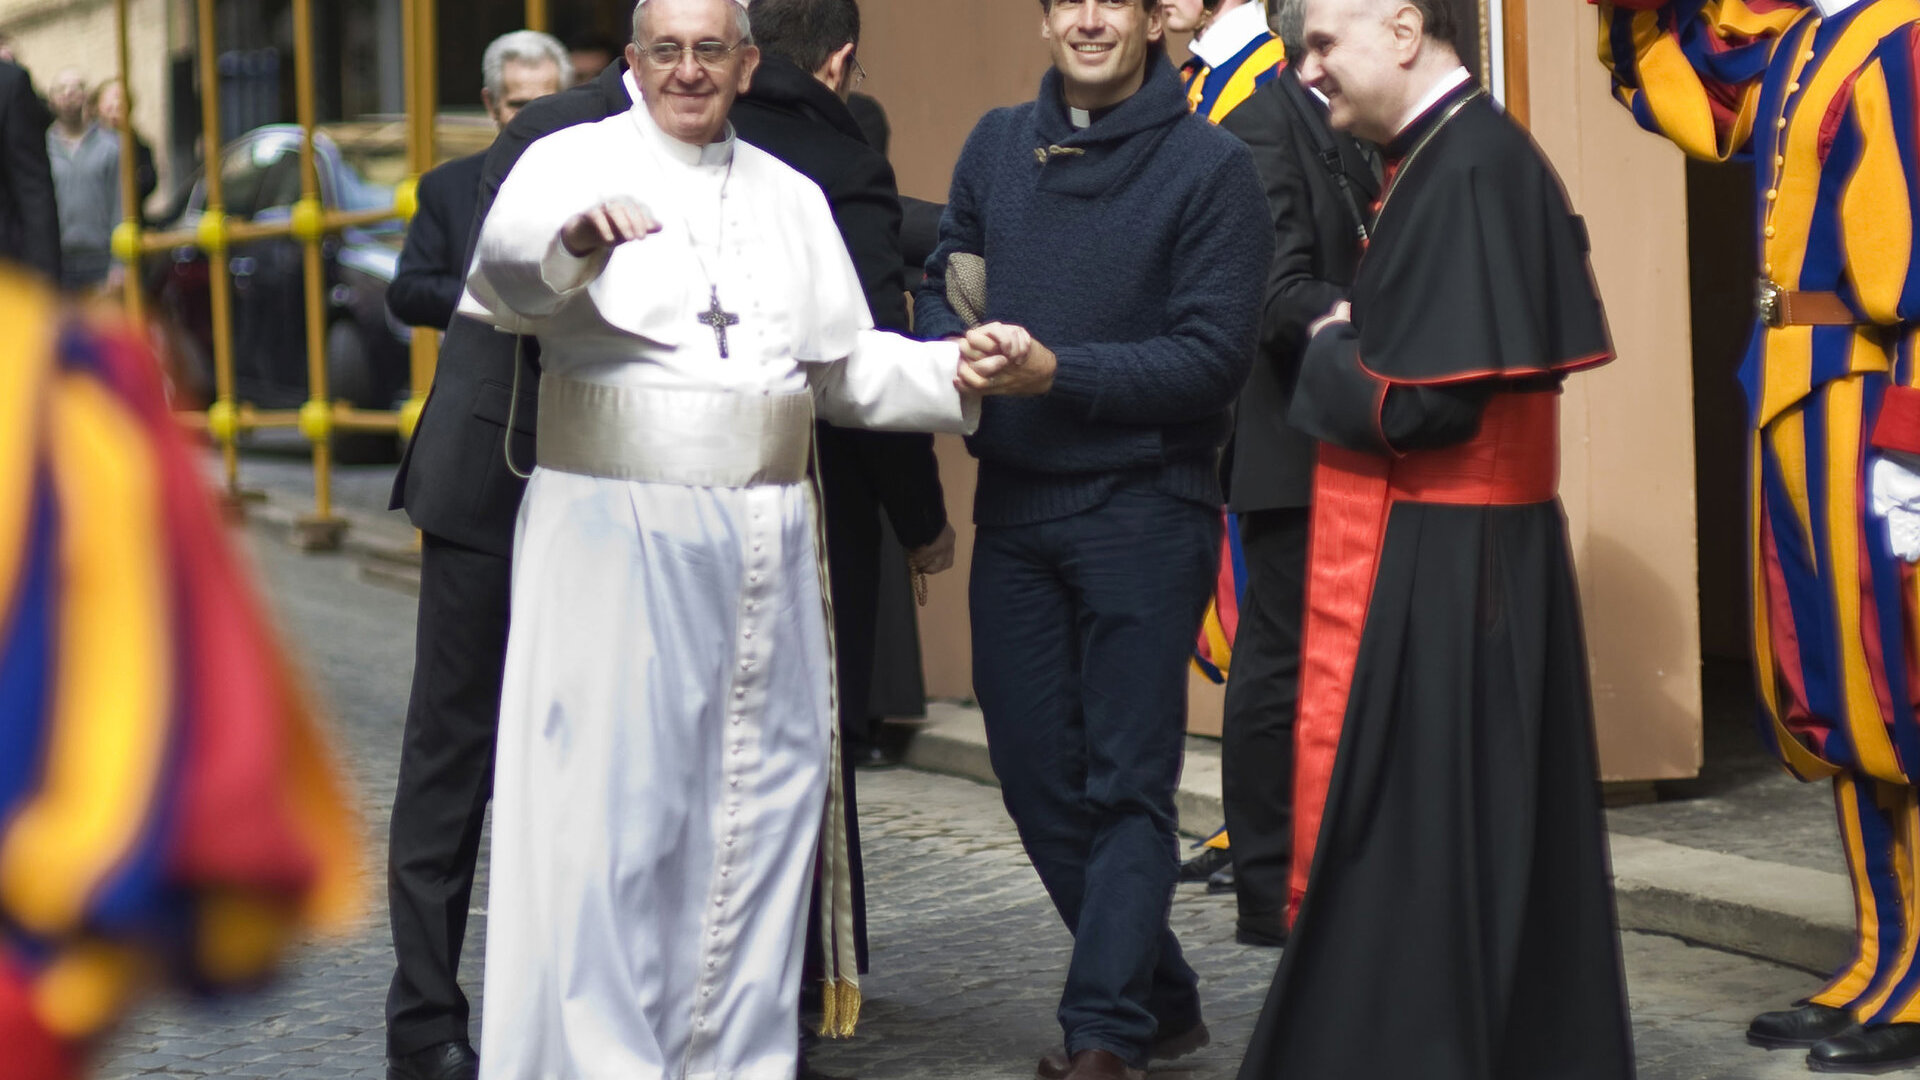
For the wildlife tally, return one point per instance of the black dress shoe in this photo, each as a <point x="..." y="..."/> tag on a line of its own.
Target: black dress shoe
<point x="1798" y="1028"/>
<point x="1203" y="866"/>
<point x="441" y="1061"/>
<point x="1882" y="1048"/>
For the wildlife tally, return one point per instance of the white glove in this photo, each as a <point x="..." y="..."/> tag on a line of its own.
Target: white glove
<point x="1894" y="485"/>
<point x="1830" y="8"/>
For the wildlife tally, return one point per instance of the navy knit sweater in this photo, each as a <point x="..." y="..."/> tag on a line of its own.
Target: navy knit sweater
<point x="1137" y="250"/>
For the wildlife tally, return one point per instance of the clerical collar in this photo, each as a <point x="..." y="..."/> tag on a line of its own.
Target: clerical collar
<point x="632" y="84"/>
<point x="714" y="153"/>
<point x="1082" y="119"/>
<point x="1455" y="83"/>
<point x="1223" y="39"/>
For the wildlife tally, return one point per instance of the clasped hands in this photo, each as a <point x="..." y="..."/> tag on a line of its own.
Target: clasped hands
<point x="999" y="359"/>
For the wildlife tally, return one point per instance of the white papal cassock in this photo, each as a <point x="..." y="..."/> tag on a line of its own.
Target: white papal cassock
<point x="665" y="725"/>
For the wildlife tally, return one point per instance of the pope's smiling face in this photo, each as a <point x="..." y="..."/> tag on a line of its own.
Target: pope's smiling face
<point x="690" y="95"/>
<point x="1100" y="47"/>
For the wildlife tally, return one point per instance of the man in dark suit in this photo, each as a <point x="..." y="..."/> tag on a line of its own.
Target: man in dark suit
<point x="1319" y="183"/>
<point x="456" y="487"/>
<point x="29" y="220"/>
<point x="796" y="110"/>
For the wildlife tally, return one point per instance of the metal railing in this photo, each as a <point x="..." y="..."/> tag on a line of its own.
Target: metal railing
<point x="309" y="223"/>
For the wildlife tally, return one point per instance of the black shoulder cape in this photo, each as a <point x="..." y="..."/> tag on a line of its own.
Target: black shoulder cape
<point x="1477" y="267"/>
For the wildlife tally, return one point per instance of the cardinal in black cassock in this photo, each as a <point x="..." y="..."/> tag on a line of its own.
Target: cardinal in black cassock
<point x="1457" y="920"/>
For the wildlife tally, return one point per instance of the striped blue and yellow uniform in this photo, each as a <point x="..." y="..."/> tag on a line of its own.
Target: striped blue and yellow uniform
<point x="1828" y="111"/>
<point x="166" y="803"/>
<point x="1213" y="92"/>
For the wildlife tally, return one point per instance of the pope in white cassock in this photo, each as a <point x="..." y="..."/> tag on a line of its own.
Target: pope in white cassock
<point x="665" y="730"/>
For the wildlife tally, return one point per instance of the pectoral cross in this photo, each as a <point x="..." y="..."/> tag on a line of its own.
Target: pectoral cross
<point x="719" y="318"/>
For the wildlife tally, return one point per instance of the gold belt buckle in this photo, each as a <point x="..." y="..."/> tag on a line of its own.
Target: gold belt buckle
<point x="1768" y="301"/>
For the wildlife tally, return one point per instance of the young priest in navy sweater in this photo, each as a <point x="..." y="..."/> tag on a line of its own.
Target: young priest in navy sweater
<point x="1126" y="244"/>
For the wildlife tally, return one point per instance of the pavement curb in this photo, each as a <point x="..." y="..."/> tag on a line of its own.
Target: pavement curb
<point x="1786" y="914"/>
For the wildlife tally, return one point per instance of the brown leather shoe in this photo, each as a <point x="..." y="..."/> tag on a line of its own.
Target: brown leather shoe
<point x="1055" y="1066"/>
<point x="1102" y="1065"/>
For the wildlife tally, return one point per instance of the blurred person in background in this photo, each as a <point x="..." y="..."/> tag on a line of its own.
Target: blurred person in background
<point x="109" y="108"/>
<point x="590" y="56"/>
<point x="85" y="159"/>
<point x="29" y="219"/>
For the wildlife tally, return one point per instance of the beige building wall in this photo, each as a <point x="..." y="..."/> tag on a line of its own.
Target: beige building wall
<point x="1627" y="474"/>
<point x="53" y="35"/>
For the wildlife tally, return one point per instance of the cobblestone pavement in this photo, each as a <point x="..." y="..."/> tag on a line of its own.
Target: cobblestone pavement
<point x="968" y="954"/>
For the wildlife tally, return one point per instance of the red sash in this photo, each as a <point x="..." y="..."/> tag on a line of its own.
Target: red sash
<point x="1513" y="460"/>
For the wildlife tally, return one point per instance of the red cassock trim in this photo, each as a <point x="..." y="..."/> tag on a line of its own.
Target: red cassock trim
<point x="1898" y="427"/>
<point x="1514" y="460"/>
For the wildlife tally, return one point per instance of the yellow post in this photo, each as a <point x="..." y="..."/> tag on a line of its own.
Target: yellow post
<point x="421" y="109"/>
<point x="322" y="531"/>
<point x="537" y="15"/>
<point x="223" y="415"/>
<point x="126" y="238"/>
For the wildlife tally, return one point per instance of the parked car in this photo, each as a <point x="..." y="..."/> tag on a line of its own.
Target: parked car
<point x="367" y="351"/>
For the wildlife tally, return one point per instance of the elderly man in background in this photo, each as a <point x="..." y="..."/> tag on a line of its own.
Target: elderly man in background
<point x="446" y="756"/>
<point x="85" y="158"/>
<point x="666" y="744"/>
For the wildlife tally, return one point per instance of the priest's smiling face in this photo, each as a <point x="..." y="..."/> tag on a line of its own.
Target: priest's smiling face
<point x="692" y="61"/>
<point x="1362" y="55"/>
<point x="1100" y="47"/>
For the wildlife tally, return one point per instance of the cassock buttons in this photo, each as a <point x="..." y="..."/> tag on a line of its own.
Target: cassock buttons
<point x="739" y="691"/>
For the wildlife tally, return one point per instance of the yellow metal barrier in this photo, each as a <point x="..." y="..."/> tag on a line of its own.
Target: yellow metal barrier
<point x="310" y="223"/>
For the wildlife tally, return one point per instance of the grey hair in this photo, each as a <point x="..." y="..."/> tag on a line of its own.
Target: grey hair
<point x="740" y="21"/>
<point x="1290" y="22"/>
<point x="523" y="47"/>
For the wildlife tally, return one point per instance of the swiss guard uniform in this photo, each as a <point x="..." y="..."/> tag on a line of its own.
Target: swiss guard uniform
<point x="166" y="801"/>
<point x="1237" y="55"/>
<point x="1824" y="101"/>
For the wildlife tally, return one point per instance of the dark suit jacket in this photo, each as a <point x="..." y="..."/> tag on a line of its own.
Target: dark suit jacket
<point x="433" y="268"/>
<point x="1316" y="254"/>
<point x="790" y="115"/>
<point x="454" y="480"/>
<point x="29" y="219"/>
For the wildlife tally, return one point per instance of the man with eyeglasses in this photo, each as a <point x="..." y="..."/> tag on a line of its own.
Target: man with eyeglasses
<point x="665" y="771"/>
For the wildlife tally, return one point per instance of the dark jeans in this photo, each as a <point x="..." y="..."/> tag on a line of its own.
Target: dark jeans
<point x="1081" y="632"/>
<point x="446" y="778"/>
<point x="1263" y="691"/>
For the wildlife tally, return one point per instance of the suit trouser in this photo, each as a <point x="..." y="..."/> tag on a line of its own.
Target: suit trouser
<point x="1263" y="689"/>
<point x="446" y="778"/>
<point x="1081" y="631"/>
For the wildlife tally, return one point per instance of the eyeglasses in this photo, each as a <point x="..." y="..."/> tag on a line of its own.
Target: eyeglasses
<point x="708" y="54"/>
<point x="859" y="73"/>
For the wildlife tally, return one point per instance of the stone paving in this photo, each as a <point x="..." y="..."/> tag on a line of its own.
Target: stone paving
<point x="968" y="954"/>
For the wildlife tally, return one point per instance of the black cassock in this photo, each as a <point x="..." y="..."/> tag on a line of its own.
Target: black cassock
<point x="1457" y="922"/>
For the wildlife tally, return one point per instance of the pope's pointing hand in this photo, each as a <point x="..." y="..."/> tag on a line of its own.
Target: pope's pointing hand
<point x="610" y="224"/>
